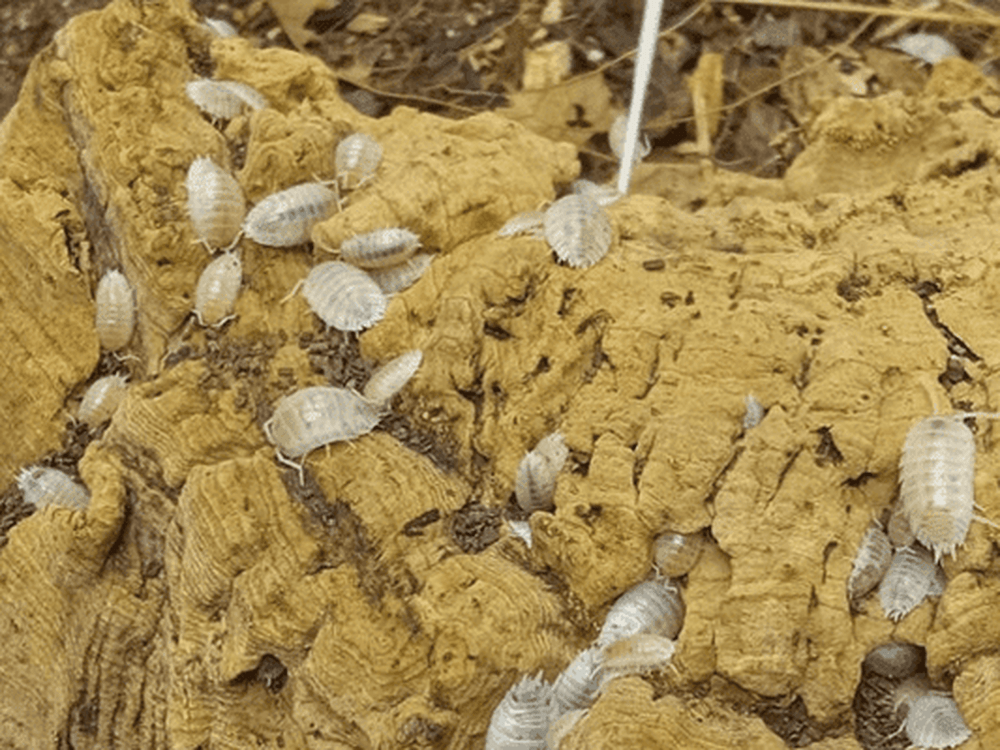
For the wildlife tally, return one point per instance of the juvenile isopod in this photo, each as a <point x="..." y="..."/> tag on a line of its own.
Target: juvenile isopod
<point x="676" y="554"/>
<point x="754" y="412"/>
<point x="343" y="296"/>
<point x="397" y="278"/>
<point x="218" y="287"/>
<point x="521" y="719"/>
<point x="936" y="475"/>
<point x="220" y="27"/>
<point x="115" y="319"/>
<point x="648" y="607"/>
<point x="318" y="415"/>
<point x="932" y="716"/>
<point x="357" y="159"/>
<point x="616" y="139"/>
<point x="907" y="581"/>
<point x="223" y="100"/>
<point x="102" y="399"/>
<point x="526" y="222"/>
<point x="389" y="379"/>
<point x="286" y="218"/>
<point x="535" y="485"/>
<point x="870" y="563"/>
<point x="602" y="195"/>
<point x="215" y="203"/>
<point x="381" y="248"/>
<point x="42" y="486"/>
<point x="522" y="530"/>
<point x="578" y="230"/>
<point x="577" y="685"/>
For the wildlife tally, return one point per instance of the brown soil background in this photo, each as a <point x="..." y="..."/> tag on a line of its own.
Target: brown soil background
<point x="846" y="277"/>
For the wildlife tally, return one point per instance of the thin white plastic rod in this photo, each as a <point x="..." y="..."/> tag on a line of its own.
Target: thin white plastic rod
<point x="640" y="82"/>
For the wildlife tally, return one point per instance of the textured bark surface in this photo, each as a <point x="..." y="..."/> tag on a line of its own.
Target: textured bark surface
<point x="208" y="599"/>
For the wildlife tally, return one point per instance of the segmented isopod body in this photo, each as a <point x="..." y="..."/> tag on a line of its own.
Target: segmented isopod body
<point x="535" y="485"/>
<point x="381" y="248"/>
<point x="754" y="412"/>
<point x="286" y="218"/>
<point x="357" y="159"/>
<point x="648" y="607"/>
<point x="936" y="475"/>
<point x="934" y="721"/>
<point x="397" y="278"/>
<point x="526" y="222"/>
<point x="223" y="100"/>
<point x="636" y="654"/>
<point x="616" y="139"/>
<point x="577" y="685"/>
<point x="102" y="400"/>
<point x="215" y="203"/>
<point x="115" y="318"/>
<point x="389" y="379"/>
<point x="895" y="660"/>
<point x="42" y="486"/>
<point x="218" y="287"/>
<point x="522" y="718"/>
<point x="676" y="554"/>
<point x="578" y="230"/>
<point x="907" y="581"/>
<point x="318" y="415"/>
<point x="870" y="563"/>
<point x="343" y="296"/>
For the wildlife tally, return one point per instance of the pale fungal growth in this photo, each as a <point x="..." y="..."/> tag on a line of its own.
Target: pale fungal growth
<point x="578" y="230"/>
<point x="318" y="415"/>
<point x="286" y="218"/>
<point x="115" y="319"/>
<point x="223" y="100"/>
<point x="754" y="413"/>
<point x="389" y="379"/>
<point x="380" y="249"/>
<point x="636" y="654"/>
<point x="102" y="399"/>
<point x="215" y="203"/>
<point x="343" y="296"/>
<point x="42" y="486"/>
<point x="616" y="139"/>
<point x="648" y="607"/>
<point x="521" y="720"/>
<point x="896" y="661"/>
<point x="870" y="563"/>
<point x="936" y="474"/>
<point x="397" y="278"/>
<point x="675" y="554"/>
<point x="526" y="222"/>
<point x="577" y="685"/>
<point x="357" y="159"/>
<point x="907" y="582"/>
<point x="932" y="716"/>
<point x="536" y="474"/>
<point x="217" y="289"/>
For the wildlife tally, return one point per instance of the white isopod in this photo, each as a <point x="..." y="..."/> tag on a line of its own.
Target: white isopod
<point x="535" y="485"/>
<point x="286" y="218"/>
<point x="648" y="607"/>
<point x="676" y="554"/>
<point x="526" y="222"/>
<point x="577" y="685"/>
<point x="42" y="486"/>
<point x="521" y="719"/>
<point x="907" y="582"/>
<point x="381" y="248"/>
<point x="936" y="475"/>
<point x="636" y="654"/>
<point x="343" y="296"/>
<point x="223" y="100"/>
<point x="389" y="379"/>
<point x="218" y="287"/>
<point x="932" y="717"/>
<point x="220" y="27"/>
<point x="616" y="139"/>
<point x="357" y="159"/>
<point x="870" y="563"/>
<point x="102" y="399"/>
<point x="115" y="319"/>
<point x="754" y="412"/>
<point x="578" y="230"/>
<point x="522" y="530"/>
<point x="318" y="415"/>
<point x="397" y="278"/>
<point x="215" y="203"/>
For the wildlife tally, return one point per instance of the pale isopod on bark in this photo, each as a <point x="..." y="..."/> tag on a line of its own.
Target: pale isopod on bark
<point x="522" y="530"/>
<point x="932" y="716"/>
<point x="215" y="203"/>
<point x="223" y="100"/>
<point x="907" y="582"/>
<point x="397" y="278"/>
<point x="526" y="222"/>
<point x="318" y="415"/>
<point x="218" y="287"/>
<point x="43" y="486"/>
<point x="220" y="27"/>
<point x="754" y="412"/>
<point x="535" y="485"/>
<point x="616" y="139"/>
<point x="286" y="218"/>
<point x="870" y="563"/>
<point x="636" y="654"/>
<point x="577" y="685"/>
<point x="675" y="554"/>
<point x="115" y="319"/>
<point x="648" y="607"/>
<point x="895" y="660"/>
<point x="343" y="296"/>
<point x="389" y="379"/>
<point x="521" y="719"/>
<point x="578" y="230"/>
<point x="381" y="248"/>
<point x="102" y="399"/>
<point x="936" y="475"/>
<point x="357" y="159"/>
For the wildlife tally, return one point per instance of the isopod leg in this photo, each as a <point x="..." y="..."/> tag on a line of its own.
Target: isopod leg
<point x="236" y="239"/>
<point x="298" y="285"/>
<point x="300" y="468"/>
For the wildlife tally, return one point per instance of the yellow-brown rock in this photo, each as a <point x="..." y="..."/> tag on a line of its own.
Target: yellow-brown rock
<point x="209" y="597"/>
